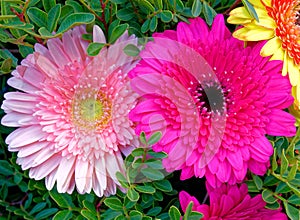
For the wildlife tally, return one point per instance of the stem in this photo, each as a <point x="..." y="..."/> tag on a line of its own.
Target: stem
<point x="234" y="5"/>
<point x="295" y="139"/>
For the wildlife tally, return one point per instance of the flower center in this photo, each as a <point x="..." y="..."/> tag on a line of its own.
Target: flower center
<point x="91" y="110"/>
<point x="210" y="98"/>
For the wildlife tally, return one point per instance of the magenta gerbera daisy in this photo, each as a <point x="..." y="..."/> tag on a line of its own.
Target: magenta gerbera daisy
<point x="214" y="101"/>
<point x="231" y="202"/>
<point x="72" y="113"/>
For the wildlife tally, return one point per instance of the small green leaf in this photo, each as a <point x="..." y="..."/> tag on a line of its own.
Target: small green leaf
<point x="174" y="213"/>
<point x="195" y="215"/>
<point x="44" y="32"/>
<point x="63" y="215"/>
<point x="94" y="48"/>
<point x="209" y="13"/>
<point x="117" y="32"/>
<point x="274" y="160"/>
<point x="75" y="5"/>
<point x="133" y="195"/>
<point x="160" y="155"/>
<point x="188" y="210"/>
<point x="250" y="9"/>
<point x="135" y="215"/>
<point x="88" y="214"/>
<point x="5" y="168"/>
<point x="292" y="212"/>
<point x="154" y="138"/>
<point x="146" y="6"/>
<point x="158" y="4"/>
<point x="271" y="181"/>
<point x="75" y="19"/>
<point x="48" y="4"/>
<point x="131" y="50"/>
<point x="46" y="213"/>
<point x="292" y="172"/>
<point x="90" y="206"/>
<point x="125" y="14"/>
<point x="268" y="197"/>
<point x="154" y="163"/>
<point x="282" y="188"/>
<point x="114" y="203"/>
<point x="6" y="65"/>
<point x="145" y="189"/>
<point x="153" y="24"/>
<point x="294" y="199"/>
<point x="38" y="207"/>
<point x="146" y="25"/>
<point x="258" y="182"/>
<point x="273" y="206"/>
<point x="196" y="8"/>
<point x="62" y="199"/>
<point x="143" y="138"/>
<point x="284" y="163"/>
<point x="123" y="181"/>
<point x="53" y="17"/>
<point x="163" y="185"/>
<point x="38" y="16"/>
<point x="154" y="211"/>
<point x="152" y="174"/>
<point x="166" y="16"/>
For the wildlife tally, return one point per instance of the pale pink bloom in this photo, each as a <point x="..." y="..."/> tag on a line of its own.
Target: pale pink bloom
<point x="231" y="202"/>
<point x="72" y="113"/>
<point x="213" y="100"/>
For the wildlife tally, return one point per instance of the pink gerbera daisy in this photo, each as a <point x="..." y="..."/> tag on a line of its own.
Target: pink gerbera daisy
<point x="73" y="113"/>
<point x="214" y="101"/>
<point x="231" y="202"/>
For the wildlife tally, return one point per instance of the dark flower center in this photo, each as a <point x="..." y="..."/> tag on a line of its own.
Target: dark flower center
<point x="298" y="18"/>
<point x="210" y="97"/>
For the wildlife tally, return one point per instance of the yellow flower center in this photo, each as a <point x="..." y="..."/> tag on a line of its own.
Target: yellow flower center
<point x="91" y="110"/>
<point x="286" y="15"/>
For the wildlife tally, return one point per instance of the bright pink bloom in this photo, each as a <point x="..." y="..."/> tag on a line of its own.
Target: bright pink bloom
<point x="230" y="202"/>
<point x="72" y="113"/>
<point x="214" y="101"/>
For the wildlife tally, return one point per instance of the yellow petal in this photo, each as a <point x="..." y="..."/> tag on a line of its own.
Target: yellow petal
<point x="278" y="55"/>
<point x="255" y="34"/>
<point x="257" y="3"/>
<point x="293" y="71"/>
<point x="285" y="64"/>
<point x="239" y="16"/>
<point x="271" y="47"/>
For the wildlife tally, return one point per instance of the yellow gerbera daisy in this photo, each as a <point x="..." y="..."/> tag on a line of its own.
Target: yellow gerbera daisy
<point x="279" y="23"/>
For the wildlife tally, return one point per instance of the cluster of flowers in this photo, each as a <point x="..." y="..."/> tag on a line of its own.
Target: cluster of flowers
<point x="213" y="99"/>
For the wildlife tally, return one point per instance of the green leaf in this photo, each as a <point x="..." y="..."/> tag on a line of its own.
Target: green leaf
<point x="188" y="210"/>
<point x="268" y="197"/>
<point x="123" y="181"/>
<point x="75" y="19"/>
<point x="271" y="181"/>
<point x="146" y="25"/>
<point x="273" y="206"/>
<point x="75" y="5"/>
<point x="154" y="211"/>
<point x="146" y="6"/>
<point x="143" y="138"/>
<point x="152" y="174"/>
<point x="138" y="152"/>
<point x="195" y="215"/>
<point x="5" y="168"/>
<point x="166" y="16"/>
<point x="294" y="199"/>
<point x="145" y="189"/>
<point x="53" y="17"/>
<point x="66" y="10"/>
<point x="292" y="212"/>
<point x="38" y="16"/>
<point x="274" y="160"/>
<point x="154" y="138"/>
<point x="209" y="13"/>
<point x="48" y="4"/>
<point x="158" y="4"/>
<point x="63" y="215"/>
<point x="153" y="24"/>
<point x="62" y="199"/>
<point x="117" y="32"/>
<point x="163" y="185"/>
<point x="44" y="32"/>
<point x="90" y="206"/>
<point x="284" y="163"/>
<point x="196" y="8"/>
<point x="174" y="213"/>
<point x="46" y="213"/>
<point x="135" y="215"/>
<point x="258" y="182"/>
<point x="282" y="188"/>
<point x="88" y="214"/>
<point x="125" y="14"/>
<point x="25" y="51"/>
<point x="38" y="207"/>
<point x="154" y="163"/>
<point x="94" y="48"/>
<point x="133" y="195"/>
<point x="250" y="9"/>
<point x="159" y="155"/>
<point x="131" y="50"/>
<point x="114" y="203"/>
<point x="292" y="173"/>
<point x="6" y="65"/>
